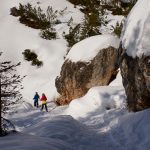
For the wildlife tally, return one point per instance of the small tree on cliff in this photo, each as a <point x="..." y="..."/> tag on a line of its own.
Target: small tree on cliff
<point x="10" y="85"/>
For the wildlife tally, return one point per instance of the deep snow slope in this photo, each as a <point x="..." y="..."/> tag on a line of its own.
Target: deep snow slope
<point x="16" y="37"/>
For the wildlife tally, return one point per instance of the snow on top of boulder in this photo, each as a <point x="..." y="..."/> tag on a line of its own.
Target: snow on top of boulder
<point x="86" y="49"/>
<point x="136" y="32"/>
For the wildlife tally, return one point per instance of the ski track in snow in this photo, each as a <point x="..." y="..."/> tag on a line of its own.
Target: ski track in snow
<point x="65" y="128"/>
<point x="111" y="129"/>
<point x="76" y="134"/>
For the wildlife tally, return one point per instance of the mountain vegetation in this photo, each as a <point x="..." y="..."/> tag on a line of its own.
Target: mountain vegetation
<point x="33" y="57"/>
<point x="94" y="17"/>
<point x="10" y="86"/>
<point x="94" y="11"/>
<point x="37" y="19"/>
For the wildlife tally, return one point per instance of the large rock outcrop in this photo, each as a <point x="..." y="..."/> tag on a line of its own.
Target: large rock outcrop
<point x="76" y="78"/>
<point x="136" y="80"/>
<point x="135" y="57"/>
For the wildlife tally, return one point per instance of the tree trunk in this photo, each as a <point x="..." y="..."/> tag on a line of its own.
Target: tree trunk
<point x="1" y="131"/>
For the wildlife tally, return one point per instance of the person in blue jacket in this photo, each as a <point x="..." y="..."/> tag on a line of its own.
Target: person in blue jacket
<point x="36" y="99"/>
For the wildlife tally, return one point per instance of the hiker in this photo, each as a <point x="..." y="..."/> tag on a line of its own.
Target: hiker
<point x="36" y="99"/>
<point x="43" y="99"/>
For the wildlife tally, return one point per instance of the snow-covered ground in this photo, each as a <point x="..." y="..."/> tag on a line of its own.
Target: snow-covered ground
<point x="97" y="121"/>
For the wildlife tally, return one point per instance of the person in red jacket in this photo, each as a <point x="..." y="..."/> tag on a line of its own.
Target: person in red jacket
<point x="44" y="99"/>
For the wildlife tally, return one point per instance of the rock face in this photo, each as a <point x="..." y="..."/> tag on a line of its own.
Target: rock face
<point x="76" y="78"/>
<point x="136" y="80"/>
<point x="135" y="57"/>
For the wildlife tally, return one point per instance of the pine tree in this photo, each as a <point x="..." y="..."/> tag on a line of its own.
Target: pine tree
<point x="10" y="86"/>
<point x="74" y="35"/>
